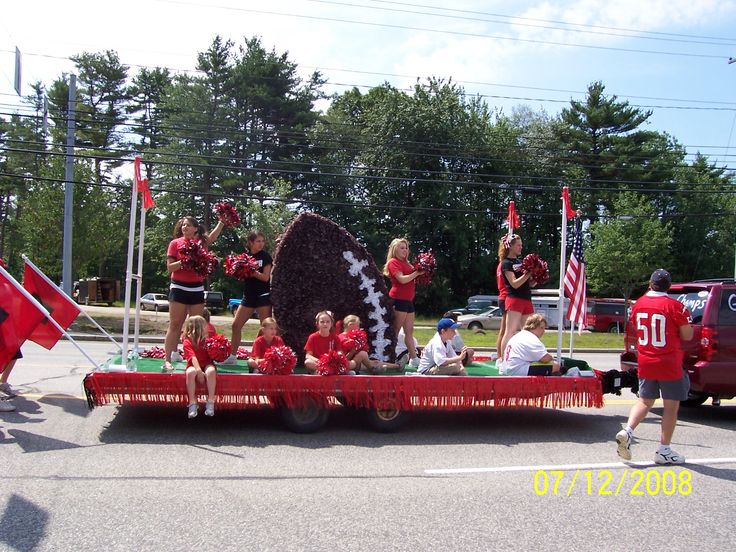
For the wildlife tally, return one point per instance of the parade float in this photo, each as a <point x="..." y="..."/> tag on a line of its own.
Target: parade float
<point x="319" y="265"/>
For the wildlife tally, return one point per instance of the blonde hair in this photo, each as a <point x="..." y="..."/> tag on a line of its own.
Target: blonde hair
<point x="349" y="319"/>
<point x="534" y="321"/>
<point x="392" y="252"/>
<point x="505" y="243"/>
<point x="268" y="321"/>
<point x="195" y="329"/>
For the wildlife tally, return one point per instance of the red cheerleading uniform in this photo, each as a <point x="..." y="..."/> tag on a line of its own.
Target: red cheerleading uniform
<point x="318" y="345"/>
<point x="260" y="346"/>
<point x="190" y="351"/>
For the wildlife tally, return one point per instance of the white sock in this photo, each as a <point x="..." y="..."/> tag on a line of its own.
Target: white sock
<point x="628" y="430"/>
<point x="663" y="449"/>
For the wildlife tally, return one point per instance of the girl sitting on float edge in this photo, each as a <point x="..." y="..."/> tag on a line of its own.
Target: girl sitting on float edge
<point x="267" y="338"/>
<point x="200" y="367"/>
<point x="320" y="342"/>
<point x="359" y="359"/>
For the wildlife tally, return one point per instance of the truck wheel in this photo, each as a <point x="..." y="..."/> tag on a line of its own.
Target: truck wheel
<point x="613" y="328"/>
<point x="475" y="326"/>
<point x="387" y="418"/>
<point x="694" y="399"/>
<point x="307" y="418"/>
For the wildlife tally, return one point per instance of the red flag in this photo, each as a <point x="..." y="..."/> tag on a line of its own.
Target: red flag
<point x="513" y="218"/>
<point x="60" y="306"/>
<point x="569" y="211"/>
<point x="575" y="287"/>
<point x="18" y="317"/>
<point x="142" y="184"/>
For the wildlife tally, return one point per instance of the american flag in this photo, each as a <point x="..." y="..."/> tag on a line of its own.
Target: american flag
<point x="575" y="280"/>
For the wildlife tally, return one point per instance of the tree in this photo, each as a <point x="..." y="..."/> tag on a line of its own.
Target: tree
<point x="626" y="247"/>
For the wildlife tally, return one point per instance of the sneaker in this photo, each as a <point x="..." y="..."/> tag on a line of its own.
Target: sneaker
<point x="192" y="410"/>
<point x="668" y="457"/>
<point x="176" y="357"/>
<point x="403" y="360"/>
<point x="414" y="363"/>
<point x="6" y="406"/>
<point x="209" y="408"/>
<point x="8" y="390"/>
<point x="494" y="356"/>
<point x="167" y="367"/>
<point x="232" y="359"/>
<point x="624" y="444"/>
<point x="572" y="372"/>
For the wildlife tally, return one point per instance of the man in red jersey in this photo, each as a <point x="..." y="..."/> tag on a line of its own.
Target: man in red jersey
<point x="661" y="324"/>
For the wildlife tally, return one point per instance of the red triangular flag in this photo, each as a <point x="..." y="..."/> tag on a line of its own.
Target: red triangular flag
<point x="59" y="305"/>
<point x="513" y="218"/>
<point x="18" y="317"/>
<point x="569" y="211"/>
<point x="142" y="184"/>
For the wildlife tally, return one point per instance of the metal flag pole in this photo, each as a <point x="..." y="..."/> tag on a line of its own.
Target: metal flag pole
<point x="561" y="296"/>
<point x="129" y="272"/>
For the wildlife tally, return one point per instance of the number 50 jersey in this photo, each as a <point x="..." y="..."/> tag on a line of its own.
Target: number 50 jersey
<point x="658" y="318"/>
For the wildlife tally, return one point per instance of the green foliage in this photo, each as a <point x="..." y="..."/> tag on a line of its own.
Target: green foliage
<point x="627" y="247"/>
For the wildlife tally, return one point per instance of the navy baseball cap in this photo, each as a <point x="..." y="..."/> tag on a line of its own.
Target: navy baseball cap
<point x="446" y="323"/>
<point x="661" y="279"/>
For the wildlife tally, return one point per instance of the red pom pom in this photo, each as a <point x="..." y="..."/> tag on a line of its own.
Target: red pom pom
<point x="153" y="352"/>
<point x="332" y="364"/>
<point x="242" y="353"/>
<point x="360" y="338"/>
<point x="279" y="361"/>
<point x="240" y="266"/>
<point x="195" y="257"/>
<point x="426" y="263"/>
<point x="538" y="268"/>
<point x="227" y="214"/>
<point x="218" y="347"/>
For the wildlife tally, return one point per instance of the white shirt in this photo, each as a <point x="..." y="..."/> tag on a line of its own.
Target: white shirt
<point x="522" y="349"/>
<point x="435" y="353"/>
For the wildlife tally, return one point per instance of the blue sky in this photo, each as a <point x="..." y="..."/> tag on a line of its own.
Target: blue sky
<point x="512" y="52"/>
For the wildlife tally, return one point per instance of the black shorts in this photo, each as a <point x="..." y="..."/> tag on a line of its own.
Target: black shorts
<point x="255" y="300"/>
<point x="502" y="306"/>
<point x="186" y="293"/>
<point x="404" y="306"/>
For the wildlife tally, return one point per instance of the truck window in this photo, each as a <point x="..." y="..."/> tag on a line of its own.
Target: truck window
<point x="727" y="310"/>
<point x="694" y="301"/>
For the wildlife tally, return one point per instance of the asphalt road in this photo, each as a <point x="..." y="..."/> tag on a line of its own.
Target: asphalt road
<point x="137" y="478"/>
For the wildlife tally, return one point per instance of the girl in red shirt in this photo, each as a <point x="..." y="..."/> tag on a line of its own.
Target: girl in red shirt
<point x="186" y="295"/>
<point x="402" y="276"/>
<point x="200" y="367"/>
<point x="502" y="294"/>
<point x="266" y="339"/>
<point x="359" y="359"/>
<point x="320" y="342"/>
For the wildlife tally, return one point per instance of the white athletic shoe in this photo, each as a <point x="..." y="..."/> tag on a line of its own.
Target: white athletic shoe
<point x="624" y="444"/>
<point x="192" y="410"/>
<point x="6" y="406"/>
<point x="176" y="357"/>
<point x="8" y="390"/>
<point x="209" y="408"/>
<point x="232" y="359"/>
<point x="668" y="457"/>
<point x="414" y="362"/>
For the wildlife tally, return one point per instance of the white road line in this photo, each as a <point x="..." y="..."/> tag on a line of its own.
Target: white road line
<point x="571" y="467"/>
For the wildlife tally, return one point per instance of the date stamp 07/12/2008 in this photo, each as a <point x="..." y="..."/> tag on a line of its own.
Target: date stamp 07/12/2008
<point x="605" y="483"/>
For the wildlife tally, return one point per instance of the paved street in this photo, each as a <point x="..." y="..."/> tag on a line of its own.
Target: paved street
<point x="137" y="478"/>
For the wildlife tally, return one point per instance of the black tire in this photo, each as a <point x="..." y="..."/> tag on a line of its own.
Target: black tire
<point x="694" y="399"/>
<point x="613" y="328"/>
<point x="387" y="418"/>
<point x="305" y="419"/>
<point x="475" y="326"/>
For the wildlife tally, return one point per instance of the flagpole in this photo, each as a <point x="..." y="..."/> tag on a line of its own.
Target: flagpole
<point x="46" y="279"/>
<point x="139" y="278"/>
<point x="129" y="271"/>
<point x="561" y="296"/>
<point x="572" y="336"/>
<point x="46" y="313"/>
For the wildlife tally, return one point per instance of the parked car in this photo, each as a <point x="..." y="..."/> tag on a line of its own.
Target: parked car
<point x="155" y="302"/>
<point x="710" y="356"/>
<point x="606" y="315"/>
<point x="233" y="304"/>
<point x="477" y="304"/>
<point x="214" y="301"/>
<point x="487" y="320"/>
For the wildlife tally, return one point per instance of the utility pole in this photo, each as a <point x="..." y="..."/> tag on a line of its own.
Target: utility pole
<point x="66" y="270"/>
